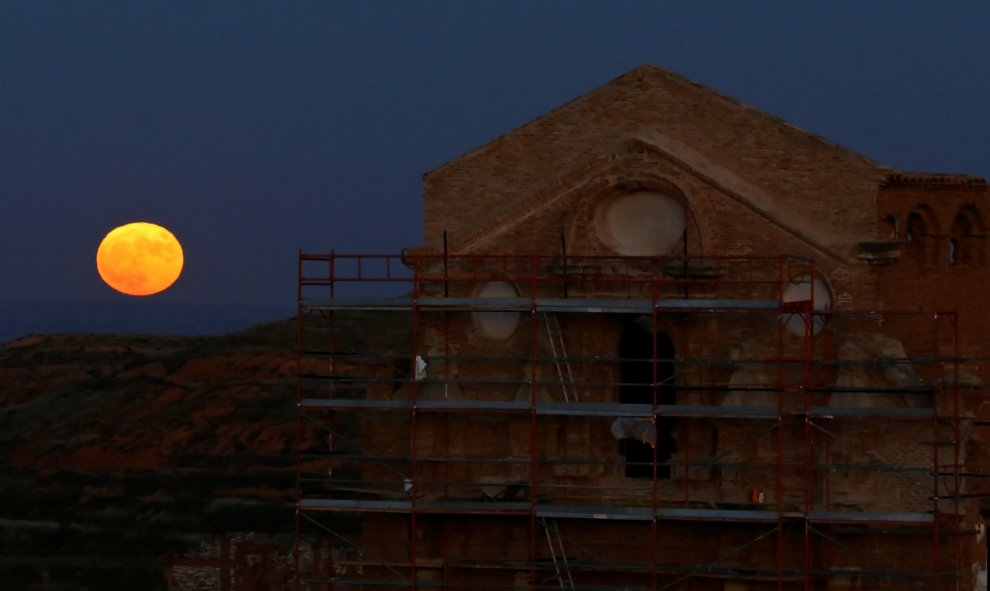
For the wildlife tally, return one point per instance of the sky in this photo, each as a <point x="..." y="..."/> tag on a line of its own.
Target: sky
<point x="254" y="129"/>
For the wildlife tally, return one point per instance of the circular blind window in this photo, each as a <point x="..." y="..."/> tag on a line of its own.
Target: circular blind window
<point x="643" y="223"/>
<point x="496" y="325"/>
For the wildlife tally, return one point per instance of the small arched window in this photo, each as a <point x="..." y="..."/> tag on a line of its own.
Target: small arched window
<point x="964" y="243"/>
<point x="921" y="225"/>
<point x="916" y="229"/>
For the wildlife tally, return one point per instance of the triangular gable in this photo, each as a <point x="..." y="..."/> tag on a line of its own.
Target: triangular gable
<point x="773" y="167"/>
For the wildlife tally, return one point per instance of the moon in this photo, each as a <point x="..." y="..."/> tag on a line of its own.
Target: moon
<point x="139" y="259"/>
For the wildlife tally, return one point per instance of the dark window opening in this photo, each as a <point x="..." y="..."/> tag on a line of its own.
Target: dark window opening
<point x="636" y="351"/>
<point x="961" y="240"/>
<point x="915" y="227"/>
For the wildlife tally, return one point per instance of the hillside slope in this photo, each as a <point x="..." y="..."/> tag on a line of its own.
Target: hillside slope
<point x="121" y="451"/>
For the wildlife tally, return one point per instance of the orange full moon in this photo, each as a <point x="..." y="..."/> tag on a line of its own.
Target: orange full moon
<point x="139" y="259"/>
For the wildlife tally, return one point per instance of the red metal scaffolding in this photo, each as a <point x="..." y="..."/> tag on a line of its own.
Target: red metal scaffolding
<point x="478" y="422"/>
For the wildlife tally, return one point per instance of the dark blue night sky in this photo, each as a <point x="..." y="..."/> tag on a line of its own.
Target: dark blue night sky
<point x="253" y="129"/>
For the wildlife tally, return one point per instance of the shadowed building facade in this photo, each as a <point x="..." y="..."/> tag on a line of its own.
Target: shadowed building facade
<point x="654" y="339"/>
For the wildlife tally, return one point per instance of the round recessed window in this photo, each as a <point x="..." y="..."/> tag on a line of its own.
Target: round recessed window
<point x="496" y="325"/>
<point x="644" y="223"/>
<point x="801" y="289"/>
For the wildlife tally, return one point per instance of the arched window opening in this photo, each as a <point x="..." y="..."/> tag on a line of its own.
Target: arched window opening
<point x="915" y="227"/>
<point x="637" y="436"/>
<point x="641" y="223"/>
<point x="921" y="226"/>
<point x="963" y="241"/>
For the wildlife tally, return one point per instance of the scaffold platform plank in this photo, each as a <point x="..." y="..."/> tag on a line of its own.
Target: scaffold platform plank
<point x="845" y="412"/>
<point x="618" y="513"/>
<point x="648" y="410"/>
<point x="594" y="512"/>
<point x="408" y="405"/>
<point x="647" y="513"/>
<point x="354" y="505"/>
<point x="348" y="404"/>
<point x="540" y="304"/>
<point x="587" y="409"/>
<point x="737" y="515"/>
<point x="590" y="409"/>
<point x="701" y="411"/>
<point x="842" y="517"/>
<point x="593" y="409"/>
<point x="452" y="507"/>
<point x="421" y="405"/>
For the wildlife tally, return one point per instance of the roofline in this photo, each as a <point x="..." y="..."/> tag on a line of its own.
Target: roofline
<point x="680" y="78"/>
<point x="932" y="179"/>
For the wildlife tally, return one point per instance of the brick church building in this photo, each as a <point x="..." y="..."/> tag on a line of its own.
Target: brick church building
<point x="654" y="339"/>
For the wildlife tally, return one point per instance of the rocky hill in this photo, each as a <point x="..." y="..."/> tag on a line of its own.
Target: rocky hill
<point x="121" y="455"/>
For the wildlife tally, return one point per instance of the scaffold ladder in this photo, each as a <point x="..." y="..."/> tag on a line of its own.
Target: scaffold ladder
<point x="557" y="554"/>
<point x="560" y="359"/>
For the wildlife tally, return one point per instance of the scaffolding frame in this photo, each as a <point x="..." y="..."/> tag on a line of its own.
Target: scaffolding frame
<point x="436" y="291"/>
